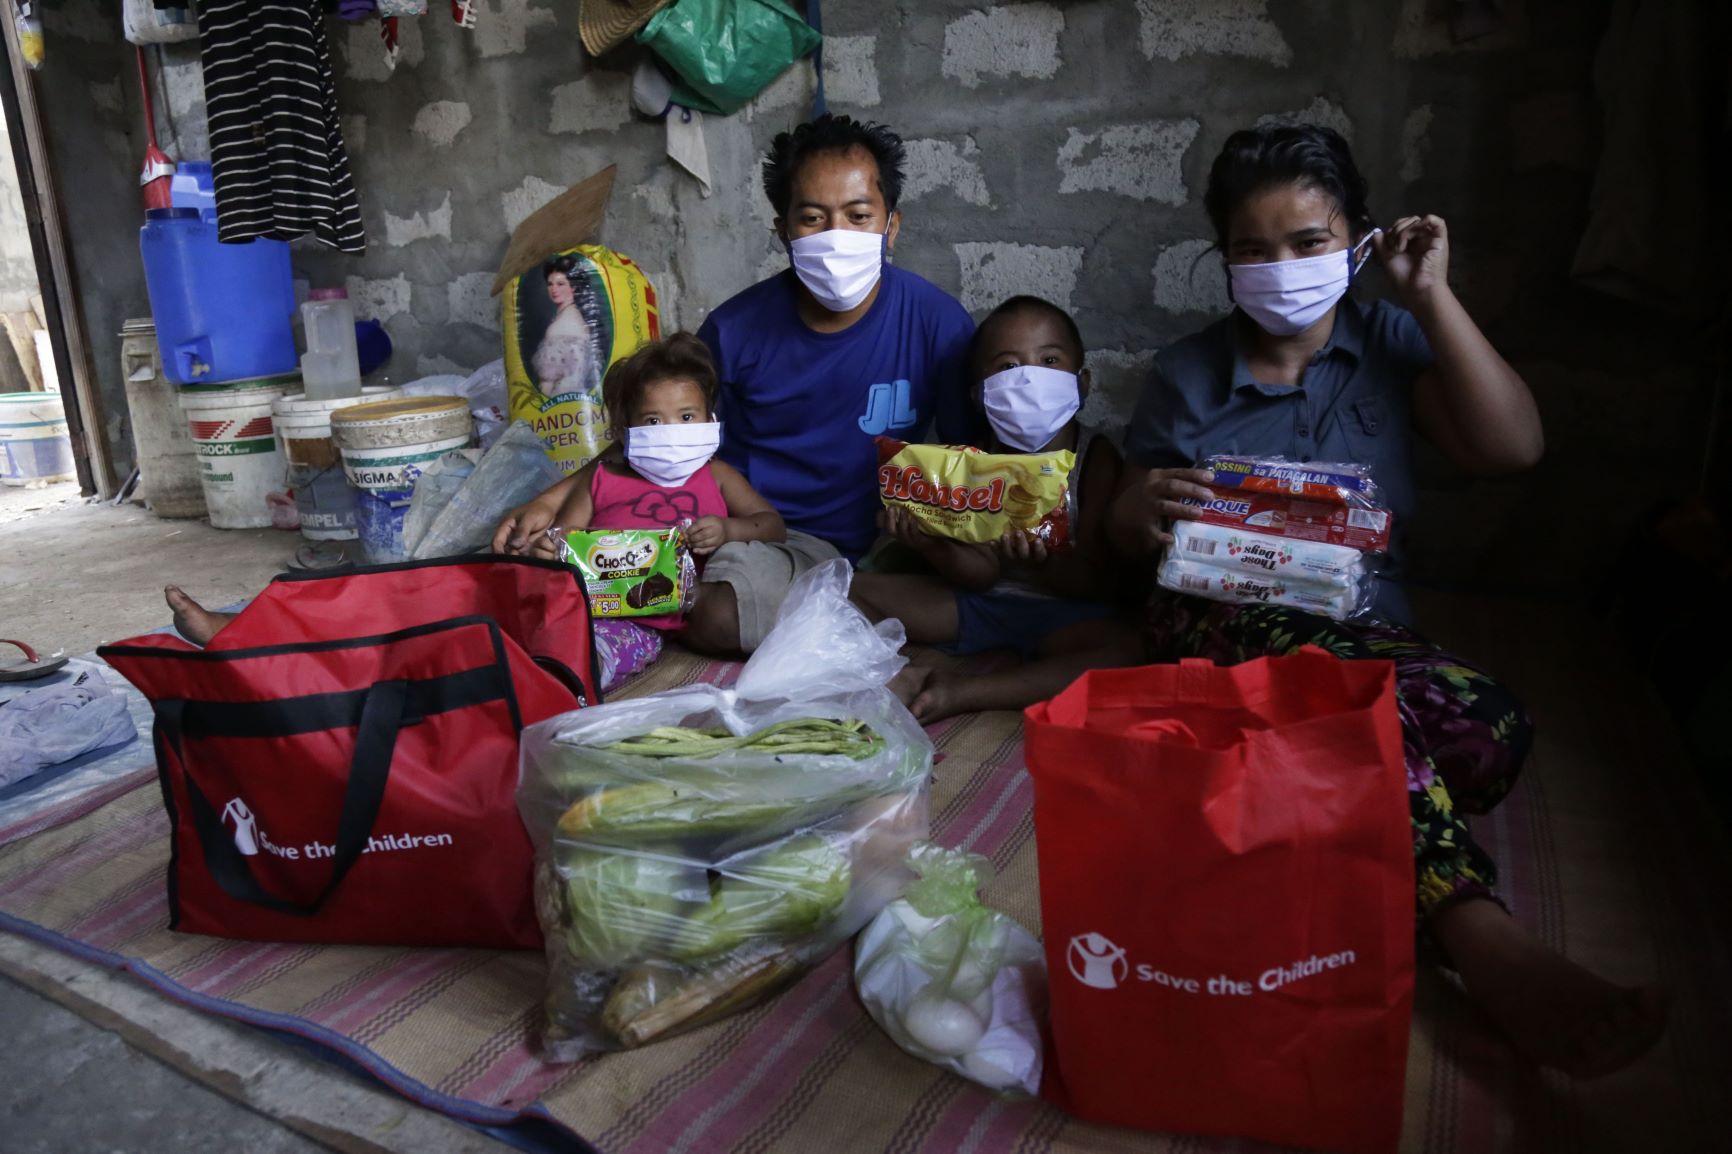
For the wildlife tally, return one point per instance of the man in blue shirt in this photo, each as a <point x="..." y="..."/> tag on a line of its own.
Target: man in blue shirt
<point x="818" y="361"/>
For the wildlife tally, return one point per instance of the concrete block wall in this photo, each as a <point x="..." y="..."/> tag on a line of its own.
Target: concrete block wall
<point x="1056" y="148"/>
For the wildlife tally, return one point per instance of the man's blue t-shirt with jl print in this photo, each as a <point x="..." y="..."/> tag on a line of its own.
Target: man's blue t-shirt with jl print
<point x="801" y="410"/>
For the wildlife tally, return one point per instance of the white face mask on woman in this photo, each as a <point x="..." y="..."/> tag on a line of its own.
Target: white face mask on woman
<point x="1027" y="405"/>
<point x="1286" y="297"/>
<point x="667" y="455"/>
<point x="838" y="266"/>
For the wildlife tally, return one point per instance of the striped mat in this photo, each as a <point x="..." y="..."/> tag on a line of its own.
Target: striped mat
<point x="1607" y="854"/>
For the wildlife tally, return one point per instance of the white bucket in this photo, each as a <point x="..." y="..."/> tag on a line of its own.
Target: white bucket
<point x="323" y="498"/>
<point x="35" y="448"/>
<point x="385" y="445"/>
<point x="238" y="458"/>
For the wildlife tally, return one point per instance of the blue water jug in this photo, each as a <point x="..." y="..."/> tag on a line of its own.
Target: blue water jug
<point x="223" y="311"/>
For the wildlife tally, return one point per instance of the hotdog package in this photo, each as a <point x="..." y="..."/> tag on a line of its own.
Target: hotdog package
<point x="633" y="572"/>
<point x="1340" y="484"/>
<point x="1281" y="532"/>
<point x="1219" y="584"/>
<point x="968" y="495"/>
<point x="1311" y="501"/>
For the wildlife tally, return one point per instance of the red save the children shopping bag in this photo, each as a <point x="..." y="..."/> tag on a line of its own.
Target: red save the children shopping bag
<point x="339" y="765"/>
<point x="1226" y="883"/>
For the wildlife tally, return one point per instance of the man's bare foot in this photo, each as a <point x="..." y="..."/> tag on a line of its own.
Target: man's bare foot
<point x="195" y="623"/>
<point x="1552" y="1010"/>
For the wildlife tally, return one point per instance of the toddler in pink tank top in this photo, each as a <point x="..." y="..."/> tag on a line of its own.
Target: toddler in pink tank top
<point x="660" y="473"/>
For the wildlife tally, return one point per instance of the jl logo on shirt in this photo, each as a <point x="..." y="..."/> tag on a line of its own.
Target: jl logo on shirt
<point x="889" y="406"/>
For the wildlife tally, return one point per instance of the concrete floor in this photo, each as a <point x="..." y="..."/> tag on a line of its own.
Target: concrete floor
<point x="67" y="1087"/>
<point x="74" y="575"/>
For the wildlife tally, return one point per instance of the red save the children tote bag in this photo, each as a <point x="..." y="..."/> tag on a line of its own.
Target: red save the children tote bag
<point x="1226" y="875"/>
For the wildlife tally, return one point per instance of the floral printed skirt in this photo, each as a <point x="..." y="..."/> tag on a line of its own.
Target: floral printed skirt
<point x="1465" y="735"/>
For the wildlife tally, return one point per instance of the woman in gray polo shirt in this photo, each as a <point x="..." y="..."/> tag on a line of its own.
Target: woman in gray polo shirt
<point x="1301" y="370"/>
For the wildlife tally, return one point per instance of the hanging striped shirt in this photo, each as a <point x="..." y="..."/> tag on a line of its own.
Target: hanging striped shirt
<point x="277" y="152"/>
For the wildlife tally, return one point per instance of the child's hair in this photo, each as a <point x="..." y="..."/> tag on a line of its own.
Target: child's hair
<point x="832" y="133"/>
<point x="1025" y="304"/>
<point x="681" y="355"/>
<point x="1269" y="156"/>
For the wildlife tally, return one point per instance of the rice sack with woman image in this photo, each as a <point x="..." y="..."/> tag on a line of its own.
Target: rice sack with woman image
<point x="566" y="321"/>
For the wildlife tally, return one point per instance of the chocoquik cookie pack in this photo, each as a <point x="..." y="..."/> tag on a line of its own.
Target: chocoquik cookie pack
<point x="633" y="572"/>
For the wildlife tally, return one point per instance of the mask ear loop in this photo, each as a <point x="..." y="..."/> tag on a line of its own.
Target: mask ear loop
<point x="1354" y="261"/>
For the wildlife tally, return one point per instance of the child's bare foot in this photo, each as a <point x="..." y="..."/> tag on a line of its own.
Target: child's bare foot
<point x="908" y="683"/>
<point x="1555" y="1012"/>
<point x="930" y="694"/>
<point x="196" y="623"/>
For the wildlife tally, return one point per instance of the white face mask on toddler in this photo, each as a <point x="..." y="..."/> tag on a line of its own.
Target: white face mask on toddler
<point x="667" y="455"/>
<point x="1286" y="297"/>
<point x="1027" y="405"/>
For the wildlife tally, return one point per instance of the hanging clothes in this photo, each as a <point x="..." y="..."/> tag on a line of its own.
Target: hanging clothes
<point x="277" y="152"/>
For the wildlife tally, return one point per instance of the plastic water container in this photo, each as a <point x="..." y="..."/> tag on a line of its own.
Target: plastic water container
<point x="322" y="494"/>
<point x="193" y="186"/>
<point x="35" y="448"/>
<point x="223" y="311"/>
<point x="385" y="446"/>
<point x="331" y="367"/>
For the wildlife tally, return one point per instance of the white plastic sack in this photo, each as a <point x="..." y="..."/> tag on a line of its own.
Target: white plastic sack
<point x="460" y="498"/>
<point x="676" y="887"/>
<point x="487" y="395"/>
<point x="44" y="727"/>
<point x="953" y="982"/>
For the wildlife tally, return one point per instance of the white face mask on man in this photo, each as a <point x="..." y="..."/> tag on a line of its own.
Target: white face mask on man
<point x="667" y="455"/>
<point x="1027" y="405"/>
<point x="839" y="266"/>
<point x="1286" y="297"/>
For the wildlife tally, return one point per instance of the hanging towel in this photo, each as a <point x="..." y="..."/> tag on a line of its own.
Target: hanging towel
<point x="277" y="150"/>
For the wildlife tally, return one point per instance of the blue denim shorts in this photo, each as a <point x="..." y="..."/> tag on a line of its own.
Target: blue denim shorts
<point x="989" y="622"/>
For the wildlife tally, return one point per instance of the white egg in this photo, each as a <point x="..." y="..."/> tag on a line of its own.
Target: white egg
<point x="989" y="1074"/>
<point x="942" y="1026"/>
<point x="982" y="1005"/>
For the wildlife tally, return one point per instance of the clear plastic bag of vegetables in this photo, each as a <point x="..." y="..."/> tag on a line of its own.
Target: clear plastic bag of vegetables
<point x="697" y="849"/>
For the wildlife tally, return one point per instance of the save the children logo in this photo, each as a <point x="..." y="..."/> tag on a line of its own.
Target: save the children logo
<point x="1095" y="961"/>
<point x="236" y="811"/>
<point x="251" y="839"/>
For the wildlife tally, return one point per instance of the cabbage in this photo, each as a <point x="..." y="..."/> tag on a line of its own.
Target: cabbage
<point x="622" y="906"/>
<point x="789" y="890"/>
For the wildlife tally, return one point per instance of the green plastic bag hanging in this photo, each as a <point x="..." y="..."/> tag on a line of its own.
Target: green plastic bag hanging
<point x="726" y="51"/>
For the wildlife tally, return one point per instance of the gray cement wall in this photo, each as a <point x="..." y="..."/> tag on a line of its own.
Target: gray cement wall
<point x="1055" y="148"/>
<point x="88" y="93"/>
<point x="17" y="264"/>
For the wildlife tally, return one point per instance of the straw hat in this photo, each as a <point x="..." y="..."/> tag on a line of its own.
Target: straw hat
<point x="604" y="24"/>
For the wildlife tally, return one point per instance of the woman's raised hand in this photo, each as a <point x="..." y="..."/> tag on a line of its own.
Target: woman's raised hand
<point x="1414" y="251"/>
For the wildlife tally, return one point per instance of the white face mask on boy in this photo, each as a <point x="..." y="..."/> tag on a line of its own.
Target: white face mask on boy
<point x="838" y="266"/>
<point x="1027" y="405"/>
<point x="667" y="455"/>
<point x="1286" y="297"/>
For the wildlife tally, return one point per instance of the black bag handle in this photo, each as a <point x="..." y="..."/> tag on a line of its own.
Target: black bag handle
<point x="369" y="770"/>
